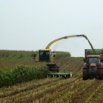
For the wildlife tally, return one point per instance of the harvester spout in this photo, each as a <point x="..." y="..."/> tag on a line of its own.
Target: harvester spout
<point x="69" y="36"/>
<point x="65" y="37"/>
<point x="82" y="35"/>
<point x="90" y="44"/>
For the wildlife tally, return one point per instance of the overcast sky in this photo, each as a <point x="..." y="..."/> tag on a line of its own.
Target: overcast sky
<point x="32" y="24"/>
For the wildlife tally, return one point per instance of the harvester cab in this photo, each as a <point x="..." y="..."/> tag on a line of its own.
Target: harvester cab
<point x="44" y="55"/>
<point x="93" y="64"/>
<point x="49" y="58"/>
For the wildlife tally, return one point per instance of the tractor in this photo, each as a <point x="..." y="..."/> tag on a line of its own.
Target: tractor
<point x="93" y="64"/>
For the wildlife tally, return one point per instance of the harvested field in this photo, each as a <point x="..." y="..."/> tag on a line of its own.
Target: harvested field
<point x="55" y="90"/>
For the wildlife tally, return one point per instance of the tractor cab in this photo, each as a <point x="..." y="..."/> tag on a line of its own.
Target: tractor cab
<point x="95" y="60"/>
<point x="92" y="59"/>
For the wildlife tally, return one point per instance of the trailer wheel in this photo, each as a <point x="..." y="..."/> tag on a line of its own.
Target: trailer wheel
<point x="100" y="73"/>
<point x="85" y="77"/>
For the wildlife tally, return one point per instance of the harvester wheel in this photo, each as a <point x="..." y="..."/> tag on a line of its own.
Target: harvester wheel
<point x="57" y="69"/>
<point x="100" y="73"/>
<point x="85" y="77"/>
<point x="53" y="68"/>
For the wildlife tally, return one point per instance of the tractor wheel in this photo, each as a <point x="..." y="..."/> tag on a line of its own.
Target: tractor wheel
<point x="85" y="76"/>
<point x="100" y="73"/>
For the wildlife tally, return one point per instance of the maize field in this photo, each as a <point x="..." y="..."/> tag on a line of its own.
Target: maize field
<point x="38" y="89"/>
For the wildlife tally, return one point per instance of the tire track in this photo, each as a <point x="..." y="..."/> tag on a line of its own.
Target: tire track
<point x="94" y="94"/>
<point x="50" y="96"/>
<point x="81" y="96"/>
<point x="29" y="96"/>
<point x="11" y="92"/>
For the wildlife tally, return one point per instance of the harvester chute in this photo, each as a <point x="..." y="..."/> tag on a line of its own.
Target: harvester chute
<point x="69" y="36"/>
